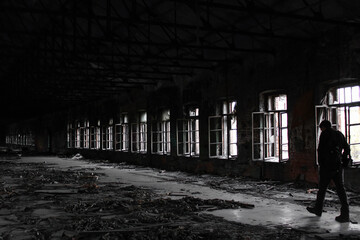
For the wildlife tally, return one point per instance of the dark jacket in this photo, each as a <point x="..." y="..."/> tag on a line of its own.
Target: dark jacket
<point x="332" y="148"/>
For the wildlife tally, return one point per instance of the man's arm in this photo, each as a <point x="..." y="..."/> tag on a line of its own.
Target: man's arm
<point x="344" y="145"/>
<point x="321" y="147"/>
<point x="346" y="160"/>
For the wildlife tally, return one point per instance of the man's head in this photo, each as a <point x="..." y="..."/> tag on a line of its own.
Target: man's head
<point x="325" y="125"/>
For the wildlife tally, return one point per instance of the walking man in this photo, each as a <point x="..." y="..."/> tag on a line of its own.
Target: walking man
<point x="331" y="150"/>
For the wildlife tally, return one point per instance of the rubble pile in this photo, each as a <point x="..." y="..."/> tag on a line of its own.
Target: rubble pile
<point x="41" y="202"/>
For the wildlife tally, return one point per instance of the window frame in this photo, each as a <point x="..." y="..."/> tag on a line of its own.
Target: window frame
<point x="107" y="136"/>
<point x="139" y="133"/>
<point x="95" y="142"/>
<point x="122" y="133"/>
<point x="98" y="137"/>
<point x="77" y="135"/>
<point x="333" y="109"/>
<point x="188" y="134"/>
<point x="103" y="137"/>
<point x="269" y="143"/>
<point x="160" y="134"/>
<point x="225" y="113"/>
<point x="92" y="137"/>
<point x="86" y="142"/>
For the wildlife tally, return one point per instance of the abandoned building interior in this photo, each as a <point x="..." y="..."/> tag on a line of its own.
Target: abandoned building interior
<point x="232" y="88"/>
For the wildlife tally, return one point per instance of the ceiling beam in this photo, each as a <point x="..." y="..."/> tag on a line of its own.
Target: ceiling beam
<point x="124" y="56"/>
<point x="152" y="22"/>
<point x="271" y="12"/>
<point x="119" y="41"/>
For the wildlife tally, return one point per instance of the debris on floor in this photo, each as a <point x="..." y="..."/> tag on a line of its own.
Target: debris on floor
<point x="38" y="201"/>
<point x="78" y="156"/>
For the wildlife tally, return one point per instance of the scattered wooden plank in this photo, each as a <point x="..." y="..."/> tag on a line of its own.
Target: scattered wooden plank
<point x="327" y="236"/>
<point x="245" y="205"/>
<point x="330" y="191"/>
<point x="135" y="229"/>
<point x="270" y="188"/>
<point x="58" y="191"/>
<point x="175" y="194"/>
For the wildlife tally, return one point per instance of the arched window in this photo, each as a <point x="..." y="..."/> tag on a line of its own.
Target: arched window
<point x="342" y="109"/>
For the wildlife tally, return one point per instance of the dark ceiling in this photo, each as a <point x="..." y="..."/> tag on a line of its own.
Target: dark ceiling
<point x="57" y="53"/>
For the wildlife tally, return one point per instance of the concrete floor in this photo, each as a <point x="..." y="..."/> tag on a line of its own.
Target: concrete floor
<point x="269" y="212"/>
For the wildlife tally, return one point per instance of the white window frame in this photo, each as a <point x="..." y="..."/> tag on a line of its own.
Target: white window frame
<point x="78" y="135"/>
<point x="160" y="135"/>
<point x="82" y="135"/>
<point x="139" y="134"/>
<point x="107" y="136"/>
<point x="122" y="133"/>
<point x="109" y="139"/>
<point x="223" y="131"/>
<point x="188" y="134"/>
<point x="188" y="138"/>
<point x="92" y="137"/>
<point x="267" y="139"/>
<point x="86" y="134"/>
<point x="339" y="111"/>
<point x="103" y="137"/>
<point x="98" y="137"/>
<point x="270" y="140"/>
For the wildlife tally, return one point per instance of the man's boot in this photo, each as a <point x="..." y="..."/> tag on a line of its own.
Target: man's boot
<point x="314" y="210"/>
<point x="344" y="216"/>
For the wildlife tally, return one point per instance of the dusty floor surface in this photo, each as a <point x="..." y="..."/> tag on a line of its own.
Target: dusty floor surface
<point x="60" y="198"/>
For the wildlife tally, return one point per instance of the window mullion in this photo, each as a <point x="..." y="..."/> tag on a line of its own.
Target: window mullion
<point x="189" y="137"/>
